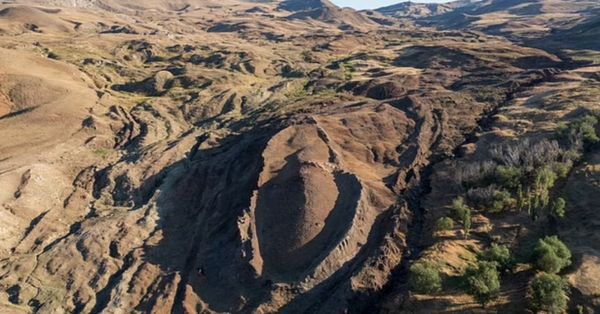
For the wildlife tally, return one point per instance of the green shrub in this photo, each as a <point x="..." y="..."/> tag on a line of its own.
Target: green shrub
<point x="572" y="155"/>
<point x="551" y="255"/>
<point x="467" y="222"/>
<point x="499" y="254"/>
<point x="425" y="278"/>
<point x="549" y="293"/>
<point x="559" y="209"/>
<point x="297" y="89"/>
<point x="348" y="71"/>
<point x="102" y="153"/>
<point x="483" y="282"/>
<point x="545" y="178"/>
<point x="584" y="128"/>
<point x="562" y="129"/>
<point x="444" y="224"/>
<point x="501" y="201"/>
<point x="562" y="168"/>
<point x="587" y="127"/>
<point x="509" y="177"/>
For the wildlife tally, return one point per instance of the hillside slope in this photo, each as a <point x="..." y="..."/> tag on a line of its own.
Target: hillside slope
<point x="285" y="156"/>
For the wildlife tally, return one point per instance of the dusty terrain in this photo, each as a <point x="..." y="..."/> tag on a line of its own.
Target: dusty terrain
<point x="278" y="156"/>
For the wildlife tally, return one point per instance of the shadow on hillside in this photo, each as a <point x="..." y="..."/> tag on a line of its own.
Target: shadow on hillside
<point x="200" y="201"/>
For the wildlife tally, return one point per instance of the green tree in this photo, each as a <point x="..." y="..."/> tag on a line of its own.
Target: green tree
<point x="463" y="213"/>
<point x="559" y="209"/>
<point x="549" y="293"/>
<point x="467" y="222"/>
<point x="551" y="255"/>
<point x="545" y="178"/>
<point x="521" y="201"/>
<point x="483" y="282"/>
<point x="459" y="208"/>
<point x="425" y="278"/>
<point x="499" y="254"/>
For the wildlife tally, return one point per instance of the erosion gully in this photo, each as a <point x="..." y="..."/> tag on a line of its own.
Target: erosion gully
<point x="398" y="283"/>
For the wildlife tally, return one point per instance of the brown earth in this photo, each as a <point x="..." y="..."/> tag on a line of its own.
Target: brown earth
<point x="263" y="156"/>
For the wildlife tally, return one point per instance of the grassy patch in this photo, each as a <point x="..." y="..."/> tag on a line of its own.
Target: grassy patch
<point x="349" y="71"/>
<point x="585" y="56"/>
<point x="102" y="153"/>
<point x="297" y="89"/>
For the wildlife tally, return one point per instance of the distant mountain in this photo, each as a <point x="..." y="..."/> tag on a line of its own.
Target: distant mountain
<point x="584" y="35"/>
<point x="324" y="10"/>
<point x="307" y="5"/>
<point x="411" y="9"/>
<point x="561" y="23"/>
<point x="129" y="5"/>
<point x="414" y="10"/>
<point x="530" y="20"/>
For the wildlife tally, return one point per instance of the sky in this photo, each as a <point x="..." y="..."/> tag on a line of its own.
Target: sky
<point x="372" y="4"/>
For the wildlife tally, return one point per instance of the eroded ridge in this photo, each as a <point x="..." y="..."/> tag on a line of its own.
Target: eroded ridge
<point x="225" y="156"/>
